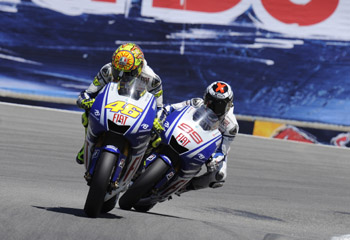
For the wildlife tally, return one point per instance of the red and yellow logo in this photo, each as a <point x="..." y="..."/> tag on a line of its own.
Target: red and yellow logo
<point x="124" y="61"/>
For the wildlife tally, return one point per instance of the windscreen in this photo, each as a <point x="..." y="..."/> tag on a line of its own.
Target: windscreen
<point x="131" y="87"/>
<point x="207" y="118"/>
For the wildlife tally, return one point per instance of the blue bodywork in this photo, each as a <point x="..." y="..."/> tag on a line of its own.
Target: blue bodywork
<point x="134" y="137"/>
<point x="136" y="134"/>
<point x="191" y="160"/>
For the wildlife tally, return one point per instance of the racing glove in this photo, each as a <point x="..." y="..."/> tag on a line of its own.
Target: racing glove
<point x="158" y="125"/>
<point x="87" y="103"/>
<point x="158" y="128"/>
<point x="214" y="161"/>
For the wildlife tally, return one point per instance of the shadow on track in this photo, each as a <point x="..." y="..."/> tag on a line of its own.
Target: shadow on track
<point x="158" y="214"/>
<point x="77" y="212"/>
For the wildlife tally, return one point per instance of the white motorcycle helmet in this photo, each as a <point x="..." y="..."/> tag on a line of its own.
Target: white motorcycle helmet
<point x="219" y="98"/>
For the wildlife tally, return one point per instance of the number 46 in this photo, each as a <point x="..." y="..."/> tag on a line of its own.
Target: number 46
<point x="124" y="108"/>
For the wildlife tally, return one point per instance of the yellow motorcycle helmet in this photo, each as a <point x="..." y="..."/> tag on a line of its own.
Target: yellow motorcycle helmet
<point x="127" y="61"/>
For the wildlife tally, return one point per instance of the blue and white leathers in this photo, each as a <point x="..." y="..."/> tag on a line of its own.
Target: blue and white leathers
<point x="191" y="133"/>
<point x="120" y="122"/>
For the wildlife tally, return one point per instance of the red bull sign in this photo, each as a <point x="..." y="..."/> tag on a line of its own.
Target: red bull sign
<point x="326" y="19"/>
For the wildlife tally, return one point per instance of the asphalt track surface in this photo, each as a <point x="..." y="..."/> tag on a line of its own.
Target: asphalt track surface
<point x="276" y="190"/>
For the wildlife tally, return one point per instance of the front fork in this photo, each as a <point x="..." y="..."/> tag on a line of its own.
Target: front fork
<point x="110" y="142"/>
<point x="117" y="171"/>
<point x="168" y="175"/>
<point x="173" y="180"/>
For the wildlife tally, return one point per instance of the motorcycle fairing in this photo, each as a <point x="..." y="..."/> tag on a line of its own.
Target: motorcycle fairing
<point x="199" y="152"/>
<point x="172" y="118"/>
<point x="137" y="121"/>
<point x="133" y="128"/>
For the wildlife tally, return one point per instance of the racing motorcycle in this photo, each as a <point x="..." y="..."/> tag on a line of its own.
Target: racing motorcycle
<point x="190" y="137"/>
<point x="120" y="124"/>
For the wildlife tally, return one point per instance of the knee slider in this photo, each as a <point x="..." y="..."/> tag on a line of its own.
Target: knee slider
<point x="216" y="184"/>
<point x="220" y="179"/>
<point x="219" y="176"/>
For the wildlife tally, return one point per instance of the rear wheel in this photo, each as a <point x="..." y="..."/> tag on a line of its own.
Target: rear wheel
<point x="143" y="208"/>
<point x="143" y="185"/>
<point x="99" y="184"/>
<point x="109" y="205"/>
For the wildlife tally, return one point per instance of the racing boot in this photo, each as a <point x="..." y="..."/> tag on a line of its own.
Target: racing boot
<point x="80" y="156"/>
<point x="208" y="179"/>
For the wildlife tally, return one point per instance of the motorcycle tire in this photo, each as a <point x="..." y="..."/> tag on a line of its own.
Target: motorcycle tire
<point x="143" y="208"/>
<point x="143" y="184"/>
<point x="109" y="205"/>
<point x="99" y="184"/>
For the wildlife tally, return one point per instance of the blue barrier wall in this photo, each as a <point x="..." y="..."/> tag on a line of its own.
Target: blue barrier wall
<point x="278" y="69"/>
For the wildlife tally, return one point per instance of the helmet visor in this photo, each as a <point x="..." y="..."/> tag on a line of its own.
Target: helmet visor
<point x="118" y="74"/>
<point x="219" y="107"/>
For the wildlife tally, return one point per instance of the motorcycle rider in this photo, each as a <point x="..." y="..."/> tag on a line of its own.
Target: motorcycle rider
<point x="219" y="98"/>
<point x="128" y="60"/>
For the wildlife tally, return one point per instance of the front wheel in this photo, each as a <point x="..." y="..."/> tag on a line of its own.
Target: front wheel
<point x="99" y="184"/>
<point x="143" y="184"/>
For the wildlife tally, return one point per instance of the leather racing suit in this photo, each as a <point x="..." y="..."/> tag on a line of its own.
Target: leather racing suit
<point x="104" y="76"/>
<point x="217" y="165"/>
